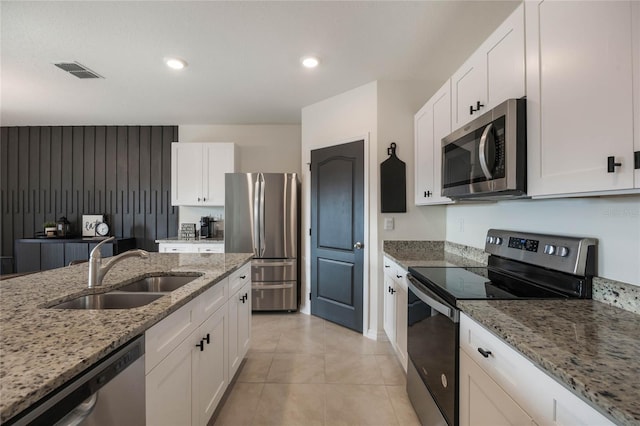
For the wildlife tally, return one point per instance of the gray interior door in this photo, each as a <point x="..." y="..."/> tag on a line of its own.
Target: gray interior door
<point x="337" y="233"/>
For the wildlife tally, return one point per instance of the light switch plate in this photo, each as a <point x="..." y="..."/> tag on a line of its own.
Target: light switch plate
<point x="388" y="223"/>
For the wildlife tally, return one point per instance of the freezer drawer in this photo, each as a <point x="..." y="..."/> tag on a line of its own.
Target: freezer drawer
<point x="263" y="270"/>
<point x="274" y="296"/>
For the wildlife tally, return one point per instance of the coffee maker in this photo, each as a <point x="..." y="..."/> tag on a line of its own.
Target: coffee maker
<point x="206" y="227"/>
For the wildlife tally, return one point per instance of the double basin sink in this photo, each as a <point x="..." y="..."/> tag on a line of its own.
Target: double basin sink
<point x="133" y="295"/>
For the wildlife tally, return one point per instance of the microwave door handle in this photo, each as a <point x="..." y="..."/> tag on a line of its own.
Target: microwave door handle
<point x="483" y="152"/>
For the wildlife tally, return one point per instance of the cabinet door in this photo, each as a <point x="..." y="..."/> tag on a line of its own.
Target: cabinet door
<point x="423" y="129"/>
<point x="75" y="251"/>
<point x="186" y="174"/>
<point x="505" y="61"/>
<point x="389" y="308"/>
<point x="635" y="9"/>
<point x="432" y="123"/>
<point x="27" y="257"/>
<point x="51" y="256"/>
<point x="169" y="388"/>
<point x="579" y="95"/>
<point x="210" y="374"/>
<point x="402" y="299"/>
<point x="239" y="327"/>
<point x="220" y="159"/>
<point x="483" y="402"/>
<point x="469" y="90"/>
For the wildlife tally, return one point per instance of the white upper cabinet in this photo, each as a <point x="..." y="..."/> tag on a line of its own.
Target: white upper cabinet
<point x="635" y="9"/>
<point x="493" y="74"/>
<point x="197" y="172"/>
<point x="431" y="124"/>
<point x="581" y="59"/>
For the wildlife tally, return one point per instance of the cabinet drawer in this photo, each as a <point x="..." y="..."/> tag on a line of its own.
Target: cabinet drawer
<point x="211" y="248"/>
<point x="274" y="270"/>
<point x="166" y="335"/>
<point x="394" y="270"/>
<point x="239" y="278"/>
<point x="177" y="248"/>
<point x="212" y="299"/>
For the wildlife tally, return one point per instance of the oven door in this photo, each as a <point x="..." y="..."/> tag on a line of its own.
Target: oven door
<point x="432" y="346"/>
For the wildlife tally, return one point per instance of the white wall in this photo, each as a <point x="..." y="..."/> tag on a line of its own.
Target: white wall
<point x="343" y="118"/>
<point x="614" y="221"/>
<point x="381" y="112"/>
<point x="259" y="148"/>
<point x="398" y="101"/>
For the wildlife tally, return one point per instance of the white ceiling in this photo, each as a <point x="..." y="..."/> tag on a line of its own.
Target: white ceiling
<point x="244" y="57"/>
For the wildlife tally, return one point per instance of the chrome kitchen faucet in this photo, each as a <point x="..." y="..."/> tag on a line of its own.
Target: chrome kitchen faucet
<point x="97" y="271"/>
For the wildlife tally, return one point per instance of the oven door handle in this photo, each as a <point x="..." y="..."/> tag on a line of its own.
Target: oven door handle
<point x="432" y="299"/>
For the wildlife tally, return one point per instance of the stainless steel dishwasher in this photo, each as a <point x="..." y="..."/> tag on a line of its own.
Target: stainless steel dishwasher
<point x="109" y="393"/>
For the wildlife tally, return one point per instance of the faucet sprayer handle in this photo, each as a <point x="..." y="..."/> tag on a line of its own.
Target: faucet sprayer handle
<point x="95" y="253"/>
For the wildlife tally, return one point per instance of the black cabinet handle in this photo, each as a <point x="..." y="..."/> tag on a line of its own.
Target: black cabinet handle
<point x="207" y="339"/>
<point x="201" y="345"/>
<point x="242" y="277"/>
<point x="478" y="106"/>
<point x="636" y="160"/>
<point x="398" y="276"/>
<point x="204" y="199"/>
<point x="387" y="266"/>
<point x="484" y="353"/>
<point x="392" y="290"/>
<point x="389" y="289"/>
<point x="427" y="194"/>
<point x="471" y="110"/>
<point x="611" y="164"/>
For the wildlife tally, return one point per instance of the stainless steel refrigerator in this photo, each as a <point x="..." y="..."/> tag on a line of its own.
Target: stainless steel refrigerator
<point x="262" y="216"/>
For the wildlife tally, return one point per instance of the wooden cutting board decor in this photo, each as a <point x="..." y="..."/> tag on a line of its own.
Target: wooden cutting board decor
<point x="393" y="183"/>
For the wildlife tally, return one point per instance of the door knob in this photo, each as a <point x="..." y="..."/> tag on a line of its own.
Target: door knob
<point x="358" y="245"/>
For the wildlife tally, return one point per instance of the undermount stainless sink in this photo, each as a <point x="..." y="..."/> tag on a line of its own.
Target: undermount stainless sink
<point x="109" y="301"/>
<point x="161" y="284"/>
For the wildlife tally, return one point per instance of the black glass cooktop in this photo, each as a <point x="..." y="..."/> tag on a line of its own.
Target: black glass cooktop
<point x="478" y="284"/>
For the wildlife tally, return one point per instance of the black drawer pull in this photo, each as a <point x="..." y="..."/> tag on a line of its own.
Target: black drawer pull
<point x="242" y="277"/>
<point x="484" y="353"/>
<point x="207" y="339"/>
<point x="201" y="345"/>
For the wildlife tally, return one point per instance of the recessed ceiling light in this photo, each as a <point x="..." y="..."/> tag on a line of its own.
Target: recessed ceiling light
<point x="310" y="62"/>
<point x="175" y="63"/>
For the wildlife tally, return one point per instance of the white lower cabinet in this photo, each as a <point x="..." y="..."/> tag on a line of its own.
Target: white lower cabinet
<point x="483" y="402"/>
<point x="191" y="247"/>
<point x="498" y="385"/>
<point x="395" y="308"/>
<point x="239" y="327"/>
<point x="189" y="356"/>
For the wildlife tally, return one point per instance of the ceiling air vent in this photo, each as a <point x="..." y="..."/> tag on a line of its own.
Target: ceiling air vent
<point x="77" y="69"/>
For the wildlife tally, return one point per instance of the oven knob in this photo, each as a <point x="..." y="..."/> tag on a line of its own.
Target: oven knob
<point x="498" y="240"/>
<point x="562" y="251"/>
<point x="549" y="249"/>
<point x="491" y="240"/>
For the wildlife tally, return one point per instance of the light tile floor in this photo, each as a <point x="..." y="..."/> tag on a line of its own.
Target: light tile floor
<point x="303" y="370"/>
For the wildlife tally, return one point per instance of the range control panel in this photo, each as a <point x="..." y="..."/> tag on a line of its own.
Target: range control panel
<point x="573" y="255"/>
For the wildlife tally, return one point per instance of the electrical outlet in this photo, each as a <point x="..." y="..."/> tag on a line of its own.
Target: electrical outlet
<point x="388" y="223"/>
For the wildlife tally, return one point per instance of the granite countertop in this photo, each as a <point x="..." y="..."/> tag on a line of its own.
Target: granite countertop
<point x="590" y="347"/>
<point x="177" y="240"/>
<point x="41" y="349"/>
<point x="433" y="253"/>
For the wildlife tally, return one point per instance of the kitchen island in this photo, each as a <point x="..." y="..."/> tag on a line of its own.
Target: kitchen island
<point x="42" y="349"/>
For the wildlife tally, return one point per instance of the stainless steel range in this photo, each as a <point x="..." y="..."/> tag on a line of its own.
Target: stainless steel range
<point x="520" y="266"/>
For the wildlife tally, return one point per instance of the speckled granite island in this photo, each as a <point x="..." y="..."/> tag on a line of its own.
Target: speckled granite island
<point x="41" y="349"/>
<point x="590" y="347"/>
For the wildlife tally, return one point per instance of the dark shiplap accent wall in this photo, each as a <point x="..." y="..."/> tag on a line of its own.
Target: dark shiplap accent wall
<point x="121" y="171"/>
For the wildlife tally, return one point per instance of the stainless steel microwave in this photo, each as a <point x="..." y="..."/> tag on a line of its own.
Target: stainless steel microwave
<point x="486" y="159"/>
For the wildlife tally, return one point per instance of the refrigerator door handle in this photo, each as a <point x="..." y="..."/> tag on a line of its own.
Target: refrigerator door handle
<point x="256" y="214"/>
<point x="263" y="245"/>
